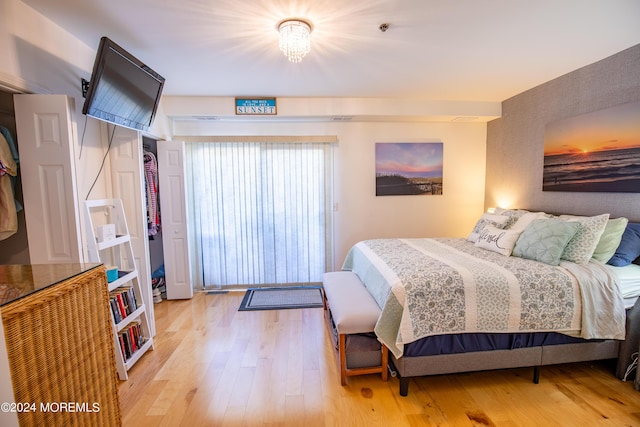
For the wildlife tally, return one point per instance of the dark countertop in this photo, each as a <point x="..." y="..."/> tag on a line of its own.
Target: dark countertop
<point x="17" y="281"/>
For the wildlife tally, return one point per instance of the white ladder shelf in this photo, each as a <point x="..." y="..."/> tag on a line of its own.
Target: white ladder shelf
<point x="131" y="331"/>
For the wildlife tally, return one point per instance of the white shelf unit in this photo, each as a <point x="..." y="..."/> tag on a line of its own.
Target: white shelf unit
<point x="119" y="253"/>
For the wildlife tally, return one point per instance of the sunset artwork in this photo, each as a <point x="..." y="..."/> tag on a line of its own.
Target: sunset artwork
<point x="594" y="152"/>
<point x="408" y="168"/>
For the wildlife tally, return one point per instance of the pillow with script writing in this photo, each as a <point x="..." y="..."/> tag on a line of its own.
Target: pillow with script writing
<point x="487" y="219"/>
<point x="497" y="240"/>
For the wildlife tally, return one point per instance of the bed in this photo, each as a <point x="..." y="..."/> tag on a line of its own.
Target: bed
<point x="524" y="289"/>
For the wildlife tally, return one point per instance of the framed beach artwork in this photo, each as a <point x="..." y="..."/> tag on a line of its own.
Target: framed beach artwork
<point x="408" y="168"/>
<point x="594" y="152"/>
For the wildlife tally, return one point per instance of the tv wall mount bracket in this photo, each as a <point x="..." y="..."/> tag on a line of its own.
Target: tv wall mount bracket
<point x="85" y="87"/>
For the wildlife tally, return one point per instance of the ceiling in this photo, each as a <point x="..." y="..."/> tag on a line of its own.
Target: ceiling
<point x="462" y="50"/>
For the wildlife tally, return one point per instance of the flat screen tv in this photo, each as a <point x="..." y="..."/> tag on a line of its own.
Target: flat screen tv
<point x="122" y="89"/>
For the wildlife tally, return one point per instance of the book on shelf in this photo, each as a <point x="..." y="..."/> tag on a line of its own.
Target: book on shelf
<point x="115" y="310"/>
<point x="130" y="296"/>
<point x="123" y="348"/>
<point x="131" y="339"/>
<point x="123" y="302"/>
<point x="124" y="309"/>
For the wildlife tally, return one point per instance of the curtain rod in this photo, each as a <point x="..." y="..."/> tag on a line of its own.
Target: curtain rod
<point x="260" y="138"/>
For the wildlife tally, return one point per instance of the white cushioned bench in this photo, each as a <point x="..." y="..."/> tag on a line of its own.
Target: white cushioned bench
<point x="351" y="310"/>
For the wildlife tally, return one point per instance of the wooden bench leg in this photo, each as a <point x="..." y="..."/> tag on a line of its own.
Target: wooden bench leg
<point x="345" y="372"/>
<point x="342" y="353"/>
<point x="384" y="360"/>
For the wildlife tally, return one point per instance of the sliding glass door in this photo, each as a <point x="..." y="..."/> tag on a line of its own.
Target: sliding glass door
<point x="261" y="211"/>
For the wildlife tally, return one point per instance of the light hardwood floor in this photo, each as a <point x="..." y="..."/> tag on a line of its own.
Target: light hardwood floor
<point x="214" y="366"/>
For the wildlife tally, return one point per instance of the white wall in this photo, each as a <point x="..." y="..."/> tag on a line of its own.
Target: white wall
<point x="515" y="142"/>
<point x="39" y="56"/>
<point x="362" y="215"/>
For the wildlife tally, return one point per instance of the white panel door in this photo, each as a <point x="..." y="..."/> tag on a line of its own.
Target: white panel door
<point x="46" y="132"/>
<point x="127" y="175"/>
<point x="175" y="231"/>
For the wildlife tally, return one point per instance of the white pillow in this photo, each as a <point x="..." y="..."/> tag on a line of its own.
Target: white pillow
<point x="487" y="219"/>
<point x="510" y="212"/>
<point x="497" y="240"/>
<point x="513" y="214"/>
<point x="526" y="219"/>
<point x="581" y="247"/>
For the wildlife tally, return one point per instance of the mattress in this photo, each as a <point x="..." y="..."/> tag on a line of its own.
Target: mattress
<point x="628" y="278"/>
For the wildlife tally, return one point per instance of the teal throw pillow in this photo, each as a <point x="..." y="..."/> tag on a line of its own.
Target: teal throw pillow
<point x="544" y="240"/>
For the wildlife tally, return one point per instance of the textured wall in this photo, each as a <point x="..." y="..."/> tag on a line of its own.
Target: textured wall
<point x="515" y="142"/>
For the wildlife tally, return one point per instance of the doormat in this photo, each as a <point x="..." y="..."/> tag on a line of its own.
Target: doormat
<point x="282" y="298"/>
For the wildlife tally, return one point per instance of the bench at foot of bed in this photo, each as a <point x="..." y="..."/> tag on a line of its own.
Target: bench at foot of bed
<point x="351" y="314"/>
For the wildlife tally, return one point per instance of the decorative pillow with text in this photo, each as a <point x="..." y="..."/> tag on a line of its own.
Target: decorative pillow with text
<point x="497" y="240"/>
<point x="487" y="219"/>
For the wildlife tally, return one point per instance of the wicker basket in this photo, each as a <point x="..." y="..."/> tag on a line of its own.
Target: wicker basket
<point x="60" y="348"/>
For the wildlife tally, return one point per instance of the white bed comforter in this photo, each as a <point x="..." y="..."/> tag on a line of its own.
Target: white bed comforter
<point x="439" y="286"/>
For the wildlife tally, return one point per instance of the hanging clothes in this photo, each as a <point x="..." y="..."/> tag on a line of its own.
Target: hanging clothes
<point x="14" y="152"/>
<point x="8" y="213"/>
<point x="151" y="181"/>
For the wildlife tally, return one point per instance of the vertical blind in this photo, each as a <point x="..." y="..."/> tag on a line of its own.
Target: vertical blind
<point x="261" y="212"/>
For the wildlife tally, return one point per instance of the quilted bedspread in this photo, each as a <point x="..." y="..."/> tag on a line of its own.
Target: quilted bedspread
<point x="438" y="286"/>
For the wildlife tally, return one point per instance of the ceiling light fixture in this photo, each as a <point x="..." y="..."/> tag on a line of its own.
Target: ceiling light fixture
<point x="295" y="38"/>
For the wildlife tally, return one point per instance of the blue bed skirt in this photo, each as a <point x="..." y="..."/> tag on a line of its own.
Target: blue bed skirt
<point x="465" y="343"/>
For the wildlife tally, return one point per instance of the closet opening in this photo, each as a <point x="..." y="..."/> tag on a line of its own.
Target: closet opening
<point x="154" y="218"/>
<point x="14" y="245"/>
